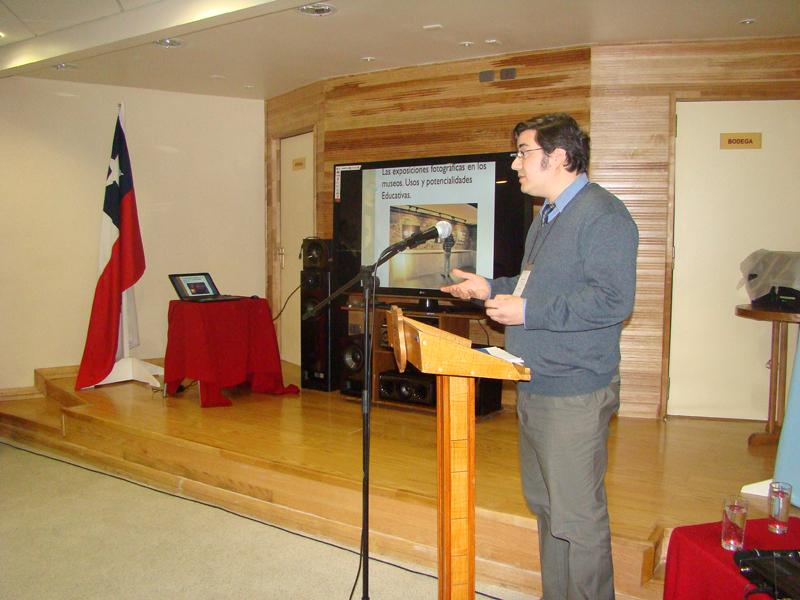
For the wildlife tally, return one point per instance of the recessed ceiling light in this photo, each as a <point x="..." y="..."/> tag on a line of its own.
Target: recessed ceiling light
<point x="492" y="42"/>
<point x="249" y="86"/>
<point x="169" y="43"/>
<point x="466" y="44"/>
<point x="217" y="76"/>
<point x="2" y="35"/>
<point x="318" y="9"/>
<point x="433" y="26"/>
<point x="368" y="58"/>
<point x="747" y="21"/>
<point x="64" y="66"/>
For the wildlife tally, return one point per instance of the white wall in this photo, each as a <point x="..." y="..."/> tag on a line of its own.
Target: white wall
<point x="198" y="167"/>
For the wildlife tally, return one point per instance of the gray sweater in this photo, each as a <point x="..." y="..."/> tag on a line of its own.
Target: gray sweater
<point x="580" y="291"/>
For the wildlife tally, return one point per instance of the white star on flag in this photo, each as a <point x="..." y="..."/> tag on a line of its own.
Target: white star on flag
<point x="113" y="171"/>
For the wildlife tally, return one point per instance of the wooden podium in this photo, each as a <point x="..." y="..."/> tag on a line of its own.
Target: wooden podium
<point x="456" y="365"/>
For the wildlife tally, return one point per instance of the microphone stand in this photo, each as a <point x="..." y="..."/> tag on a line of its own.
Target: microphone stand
<point x="367" y="281"/>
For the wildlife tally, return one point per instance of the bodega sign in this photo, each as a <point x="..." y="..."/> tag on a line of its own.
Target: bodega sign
<point x="740" y="141"/>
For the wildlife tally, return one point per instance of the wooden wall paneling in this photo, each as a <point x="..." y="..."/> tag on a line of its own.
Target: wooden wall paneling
<point x="443" y="109"/>
<point x="634" y="89"/>
<point x="451" y="91"/>
<point x="735" y="70"/>
<point x="627" y="158"/>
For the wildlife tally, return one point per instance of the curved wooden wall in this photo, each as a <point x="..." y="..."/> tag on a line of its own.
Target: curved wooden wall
<point x="436" y="110"/>
<point x="624" y="95"/>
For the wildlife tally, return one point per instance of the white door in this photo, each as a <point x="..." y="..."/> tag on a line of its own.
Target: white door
<point x="728" y="203"/>
<point x="297" y="222"/>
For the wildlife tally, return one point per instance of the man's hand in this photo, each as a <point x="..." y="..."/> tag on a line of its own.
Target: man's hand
<point x="506" y="309"/>
<point x="473" y="286"/>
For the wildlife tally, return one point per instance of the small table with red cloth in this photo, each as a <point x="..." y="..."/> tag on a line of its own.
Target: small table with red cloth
<point x="698" y="568"/>
<point x="222" y="344"/>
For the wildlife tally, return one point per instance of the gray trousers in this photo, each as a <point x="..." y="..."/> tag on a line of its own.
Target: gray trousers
<point x="563" y="447"/>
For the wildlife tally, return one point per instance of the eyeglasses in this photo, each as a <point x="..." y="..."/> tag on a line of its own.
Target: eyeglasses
<point x="523" y="153"/>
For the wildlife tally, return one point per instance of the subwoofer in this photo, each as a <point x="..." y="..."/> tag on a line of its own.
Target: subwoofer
<point x="316" y="364"/>
<point x="316" y="253"/>
<point x="408" y="388"/>
<point x="413" y="387"/>
<point x="351" y="364"/>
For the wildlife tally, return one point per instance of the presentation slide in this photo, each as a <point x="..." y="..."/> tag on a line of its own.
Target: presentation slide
<point x="400" y="201"/>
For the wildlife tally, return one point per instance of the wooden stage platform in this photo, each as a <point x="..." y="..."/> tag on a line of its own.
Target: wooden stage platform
<point x="296" y="461"/>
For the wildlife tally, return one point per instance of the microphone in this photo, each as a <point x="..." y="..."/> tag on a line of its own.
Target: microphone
<point x="441" y="230"/>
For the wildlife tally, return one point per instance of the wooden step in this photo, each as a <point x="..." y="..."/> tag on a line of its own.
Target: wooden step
<point x="31" y="411"/>
<point x="19" y="394"/>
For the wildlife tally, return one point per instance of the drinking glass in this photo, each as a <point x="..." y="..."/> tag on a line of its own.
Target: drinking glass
<point x="778" y="500"/>
<point x="734" y="518"/>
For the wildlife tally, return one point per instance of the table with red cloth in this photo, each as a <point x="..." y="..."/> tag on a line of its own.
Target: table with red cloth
<point x="698" y="568"/>
<point x="223" y="344"/>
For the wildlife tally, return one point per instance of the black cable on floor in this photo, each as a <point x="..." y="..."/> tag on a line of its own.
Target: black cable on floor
<point x="231" y="512"/>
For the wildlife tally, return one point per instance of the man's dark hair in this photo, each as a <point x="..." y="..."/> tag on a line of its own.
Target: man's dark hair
<point x="559" y="130"/>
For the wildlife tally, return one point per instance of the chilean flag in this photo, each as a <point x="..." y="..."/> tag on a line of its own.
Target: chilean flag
<point x="121" y="266"/>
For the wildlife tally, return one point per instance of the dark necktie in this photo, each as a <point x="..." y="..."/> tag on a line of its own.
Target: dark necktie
<point x="546" y="210"/>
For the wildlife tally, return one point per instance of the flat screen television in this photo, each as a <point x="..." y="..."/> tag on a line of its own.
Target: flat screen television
<point x="377" y="204"/>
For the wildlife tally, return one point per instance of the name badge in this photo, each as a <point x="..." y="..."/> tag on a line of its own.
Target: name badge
<point x="522" y="281"/>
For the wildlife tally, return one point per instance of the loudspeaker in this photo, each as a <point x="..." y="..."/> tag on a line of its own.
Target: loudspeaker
<point x="408" y="387"/>
<point x="316" y="368"/>
<point x="351" y="358"/>
<point x="316" y="253"/>
<point x="420" y="388"/>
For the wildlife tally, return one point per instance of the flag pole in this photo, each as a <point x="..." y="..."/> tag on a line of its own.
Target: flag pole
<point x="126" y="346"/>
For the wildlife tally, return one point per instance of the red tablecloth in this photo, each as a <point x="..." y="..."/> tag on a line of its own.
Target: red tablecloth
<point x="698" y="568"/>
<point x="222" y="344"/>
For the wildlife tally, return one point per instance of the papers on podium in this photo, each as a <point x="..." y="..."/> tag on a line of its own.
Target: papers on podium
<point x="500" y="353"/>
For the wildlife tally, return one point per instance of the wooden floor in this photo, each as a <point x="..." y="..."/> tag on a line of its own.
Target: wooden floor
<point x="296" y="461"/>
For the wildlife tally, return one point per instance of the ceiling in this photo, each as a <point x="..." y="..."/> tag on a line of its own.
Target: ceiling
<point x="263" y="48"/>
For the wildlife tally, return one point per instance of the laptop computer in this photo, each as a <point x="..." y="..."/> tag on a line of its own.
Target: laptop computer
<point x="198" y="287"/>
